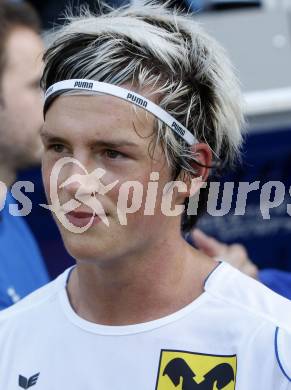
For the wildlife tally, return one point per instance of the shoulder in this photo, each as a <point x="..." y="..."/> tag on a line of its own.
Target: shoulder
<point x="262" y="316"/>
<point x="248" y="296"/>
<point x="32" y="305"/>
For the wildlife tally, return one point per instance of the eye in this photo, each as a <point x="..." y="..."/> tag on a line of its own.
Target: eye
<point x="113" y="154"/>
<point x="35" y="85"/>
<point x="57" y="148"/>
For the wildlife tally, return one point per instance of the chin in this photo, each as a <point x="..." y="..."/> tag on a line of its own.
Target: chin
<point x="86" y="246"/>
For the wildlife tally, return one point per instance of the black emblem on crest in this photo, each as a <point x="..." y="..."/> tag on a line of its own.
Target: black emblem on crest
<point x="221" y="375"/>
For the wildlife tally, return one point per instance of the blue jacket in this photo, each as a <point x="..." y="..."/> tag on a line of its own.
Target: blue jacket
<point x="22" y="269"/>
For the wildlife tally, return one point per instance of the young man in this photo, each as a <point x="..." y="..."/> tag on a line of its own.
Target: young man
<point x="21" y="267"/>
<point x="135" y="100"/>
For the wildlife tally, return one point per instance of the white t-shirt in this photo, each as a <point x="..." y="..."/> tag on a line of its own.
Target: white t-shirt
<point x="236" y="335"/>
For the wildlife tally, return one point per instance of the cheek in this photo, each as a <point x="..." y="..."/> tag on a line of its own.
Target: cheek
<point x="19" y="103"/>
<point x="138" y="202"/>
<point x="45" y="170"/>
<point x="26" y="101"/>
<point x="24" y="119"/>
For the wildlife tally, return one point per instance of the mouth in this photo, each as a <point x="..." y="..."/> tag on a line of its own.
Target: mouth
<point x="82" y="218"/>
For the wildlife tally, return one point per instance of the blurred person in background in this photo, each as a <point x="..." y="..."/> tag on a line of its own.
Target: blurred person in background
<point x="22" y="268"/>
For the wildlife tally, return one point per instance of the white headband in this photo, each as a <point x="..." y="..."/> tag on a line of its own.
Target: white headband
<point x="109" y="89"/>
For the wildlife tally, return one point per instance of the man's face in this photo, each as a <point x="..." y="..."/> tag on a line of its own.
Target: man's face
<point x="105" y="132"/>
<point x="21" y="99"/>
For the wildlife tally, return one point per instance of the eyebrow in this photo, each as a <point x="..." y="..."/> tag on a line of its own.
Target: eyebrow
<point x="51" y="137"/>
<point x="103" y="143"/>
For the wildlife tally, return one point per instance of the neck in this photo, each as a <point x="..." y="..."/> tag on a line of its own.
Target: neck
<point x="140" y="288"/>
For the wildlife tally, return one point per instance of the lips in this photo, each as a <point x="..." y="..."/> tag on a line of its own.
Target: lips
<point x="80" y="214"/>
<point x="82" y="218"/>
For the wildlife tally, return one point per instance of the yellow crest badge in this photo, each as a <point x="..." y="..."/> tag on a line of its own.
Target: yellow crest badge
<point x="180" y="370"/>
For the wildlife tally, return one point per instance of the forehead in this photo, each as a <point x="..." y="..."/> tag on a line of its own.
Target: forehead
<point x="24" y="50"/>
<point x="103" y="117"/>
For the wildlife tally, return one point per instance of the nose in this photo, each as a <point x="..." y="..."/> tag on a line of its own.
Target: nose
<point x="79" y="181"/>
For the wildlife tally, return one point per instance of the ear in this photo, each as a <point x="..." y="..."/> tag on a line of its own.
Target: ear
<point x="203" y="156"/>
